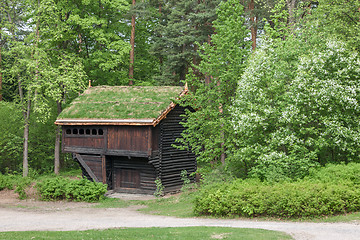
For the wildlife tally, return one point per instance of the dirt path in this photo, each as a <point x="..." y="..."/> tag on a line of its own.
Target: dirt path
<point x="63" y="216"/>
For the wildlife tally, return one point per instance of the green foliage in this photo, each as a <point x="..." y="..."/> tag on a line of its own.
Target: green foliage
<point x="336" y="19"/>
<point x="14" y="181"/>
<point x="337" y="173"/>
<point x="159" y="188"/>
<point x="72" y="190"/>
<point x="180" y="25"/>
<point x="8" y="181"/>
<point x="276" y="167"/>
<point x="285" y="200"/>
<point x="299" y="112"/>
<point x="10" y="136"/>
<point x="208" y="130"/>
<point x="186" y="178"/>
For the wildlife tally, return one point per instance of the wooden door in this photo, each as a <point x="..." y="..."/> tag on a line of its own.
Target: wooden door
<point x="127" y="178"/>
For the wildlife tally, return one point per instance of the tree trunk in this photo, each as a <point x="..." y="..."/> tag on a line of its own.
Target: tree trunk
<point x="253" y="23"/>
<point x="26" y="116"/>
<point x="291" y="8"/>
<point x="26" y="140"/>
<point x="57" y="142"/>
<point x="132" y="51"/>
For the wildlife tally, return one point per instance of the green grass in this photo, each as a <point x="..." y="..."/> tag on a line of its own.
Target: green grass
<point x="120" y="102"/>
<point x="113" y="203"/>
<point x="185" y="233"/>
<point x="177" y="206"/>
<point x="350" y="217"/>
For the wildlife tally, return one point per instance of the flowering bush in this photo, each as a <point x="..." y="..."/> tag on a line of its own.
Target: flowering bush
<point x="297" y="107"/>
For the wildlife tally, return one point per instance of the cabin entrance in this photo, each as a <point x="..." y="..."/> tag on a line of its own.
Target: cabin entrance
<point x="127" y="178"/>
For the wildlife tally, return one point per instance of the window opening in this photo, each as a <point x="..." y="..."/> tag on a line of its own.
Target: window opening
<point x="94" y="132"/>
<point x="101" y="132"/>
<point x="68" y="131"/>
<point x="81" y="131"/>
<point x="87" y="131"/>
<point x="75" y="131"/>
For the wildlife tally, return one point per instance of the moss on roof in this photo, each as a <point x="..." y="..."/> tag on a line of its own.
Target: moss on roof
<point x="121" y="102"/>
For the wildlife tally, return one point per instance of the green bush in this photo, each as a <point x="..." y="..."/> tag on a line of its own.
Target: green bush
<point x="7" y="182"/>
<point x="18" y="182"/>
<point x="73" y="190"/>
<point x="252" y="198"/>
<point x="336" y="173"/>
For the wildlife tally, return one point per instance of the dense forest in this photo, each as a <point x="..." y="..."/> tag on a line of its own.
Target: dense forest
<point x="275" y="83"/>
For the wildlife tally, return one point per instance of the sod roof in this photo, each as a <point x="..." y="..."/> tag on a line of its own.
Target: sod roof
<point x="121" y="103"/>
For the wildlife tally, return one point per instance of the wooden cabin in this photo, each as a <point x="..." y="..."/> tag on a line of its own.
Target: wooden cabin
<point x="123" y="136"/>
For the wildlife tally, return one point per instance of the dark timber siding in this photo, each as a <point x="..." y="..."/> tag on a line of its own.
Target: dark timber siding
<point x="131" y="138"/>
<point x="172" y="161"/>
<point x="133" y="175"/>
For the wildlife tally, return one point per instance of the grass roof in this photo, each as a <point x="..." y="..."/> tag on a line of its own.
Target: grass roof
<point x="121" y="102"/>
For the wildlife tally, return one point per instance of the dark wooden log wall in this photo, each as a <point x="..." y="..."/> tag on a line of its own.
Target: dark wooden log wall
<point x="133" y="174"/>
<point x="170" y="161"/>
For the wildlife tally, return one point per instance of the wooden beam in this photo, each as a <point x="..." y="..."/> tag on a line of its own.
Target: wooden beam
<point x="103" y="168"/>
<point x="86" y="167"/>
<point x="149" y="135"/>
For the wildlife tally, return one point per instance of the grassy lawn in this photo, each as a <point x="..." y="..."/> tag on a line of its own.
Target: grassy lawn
<point x="178" y="206"/>
<point x="154" y="233"/>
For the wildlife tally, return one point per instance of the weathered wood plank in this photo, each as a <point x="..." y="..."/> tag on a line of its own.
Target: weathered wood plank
<point x="103" y="168"/>
<point x="86" y="167"/>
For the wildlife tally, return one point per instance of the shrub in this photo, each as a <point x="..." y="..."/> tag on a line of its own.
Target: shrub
<point x="336" y="173"/>
<point x="252" y="198"/>
<point x="159" y="188"/>
<point x="6" y="181"/>
<point x="18" y="182"/>
<point x="73" y="190"/>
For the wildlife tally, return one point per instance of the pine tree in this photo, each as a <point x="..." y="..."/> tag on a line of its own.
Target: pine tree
<point x="181" y="25"/>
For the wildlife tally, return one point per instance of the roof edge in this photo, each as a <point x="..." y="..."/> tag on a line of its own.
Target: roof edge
<point x="147" y="121"/>
<point x="170" y="107"/>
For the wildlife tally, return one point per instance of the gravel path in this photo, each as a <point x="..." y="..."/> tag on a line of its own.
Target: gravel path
<point x="83" y="218"/>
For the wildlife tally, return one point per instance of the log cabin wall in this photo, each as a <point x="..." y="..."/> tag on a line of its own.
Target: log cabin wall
<point x="171" y="161"/>
<point x="134" y="175"/>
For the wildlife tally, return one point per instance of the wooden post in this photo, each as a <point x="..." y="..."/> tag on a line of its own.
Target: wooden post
<point x="103" y="168"/>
